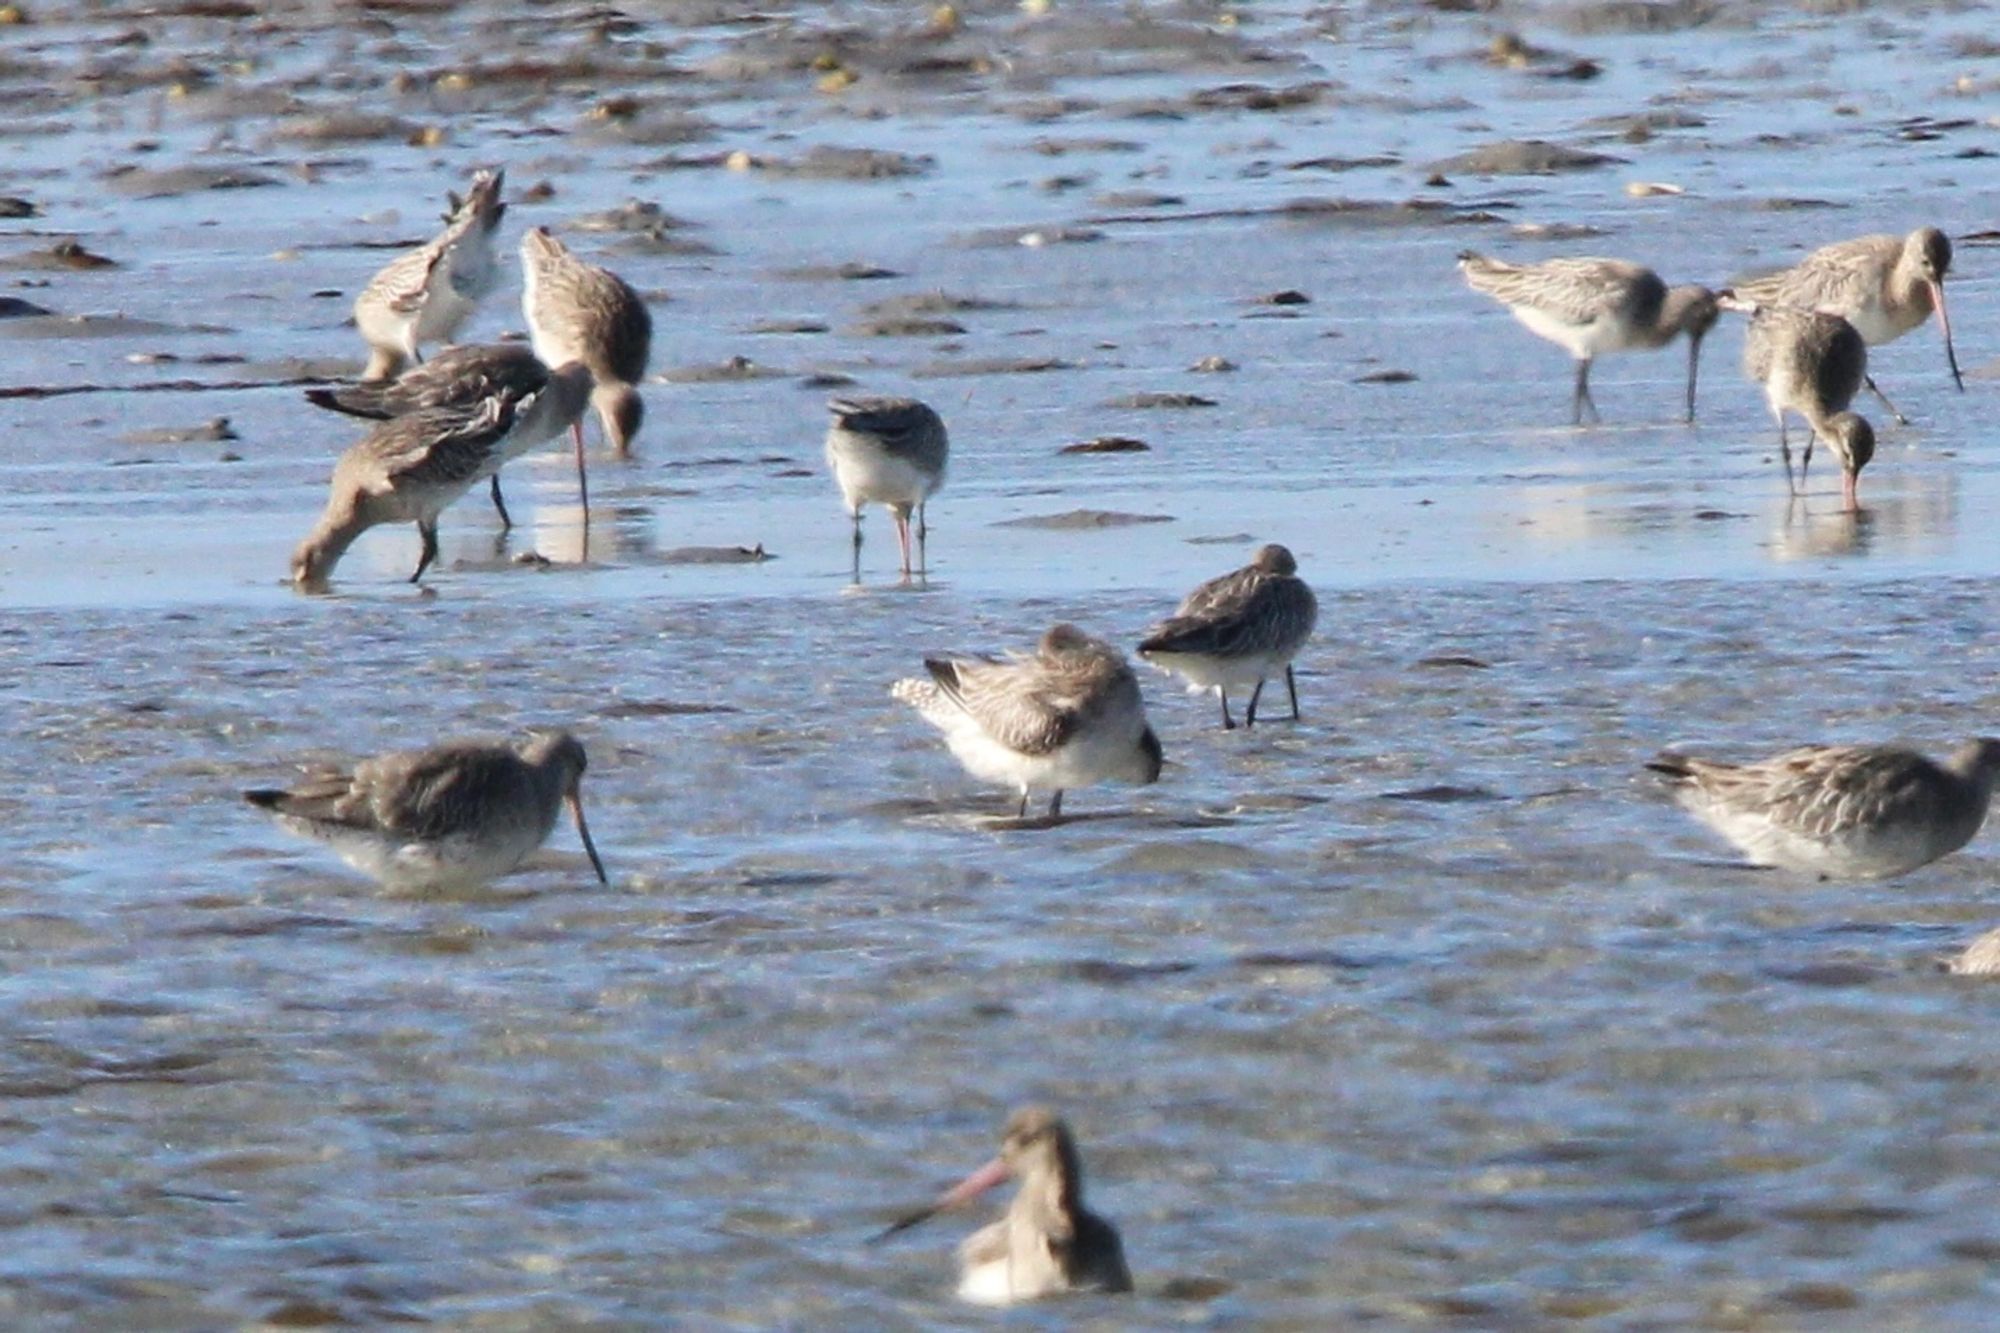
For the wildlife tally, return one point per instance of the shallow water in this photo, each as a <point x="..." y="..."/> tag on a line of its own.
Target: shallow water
<point x="1426" y="1010"/>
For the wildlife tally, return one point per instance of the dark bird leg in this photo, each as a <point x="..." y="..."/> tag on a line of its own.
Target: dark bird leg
<point x="429" y="532"/>
<point x="1055" y="805"/>
<point x="902" y="517"/>
<point x="1785" y="453"/>
<point x="1250" y="713"/>
<point x="1883" y="398"/>
<point x="1292" y="687"/>
<point x="923" y="539"/>
<point x="1228" y="722"/>
<point x="857" y="546"/>
<point x="582" y="486"/>
<point x="1581" y="398"/>
<point x="506" y="523"/>
<point x="1022" y="813"/>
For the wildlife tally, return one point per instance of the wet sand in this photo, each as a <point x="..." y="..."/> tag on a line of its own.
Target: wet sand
<point x="1426" y="1011"/>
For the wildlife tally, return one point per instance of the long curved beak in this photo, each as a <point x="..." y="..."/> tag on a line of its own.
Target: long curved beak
<point x="974" y="1185"/>
<point x="575" y="802"/>
<point x="1694" y="366"/>
<point x="1944" y="323"/>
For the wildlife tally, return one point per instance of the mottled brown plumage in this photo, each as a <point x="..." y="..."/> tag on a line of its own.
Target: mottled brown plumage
<point x="580" y="312"/>
<point x="426" y="294"/>
<point x="1236" y="630"/>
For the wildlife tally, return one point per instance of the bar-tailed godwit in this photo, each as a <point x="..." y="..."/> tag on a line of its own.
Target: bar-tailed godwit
<point x="888" y="451"/>
<point x="460" y="377"/>
<point x="453" y="815"/>
<point x="1066" y="716"/>
<point x="1234" y="631"/>
<point x="408" y="469"/>
<point x="580" y="312"/>
<point x="1589" y="307"/>
<point x="1841" y="811"/>
<point x="1811" y="363"/>
<point x="1049" y="1242"/>
<point x="425" y="295"/>
<point x="1883" y="285"/>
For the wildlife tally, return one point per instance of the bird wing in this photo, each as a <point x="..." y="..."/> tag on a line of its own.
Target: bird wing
<point x="1825" y="279"/>
<point x="1822" y="791"/>
<point x="1008" y="700"/>
<point x="432" y="793"/>
<point x="439" y="445"/>
<point x="403" y="284"/>
<point x="1245" y="612"/>
<point x="1576" y="291"/>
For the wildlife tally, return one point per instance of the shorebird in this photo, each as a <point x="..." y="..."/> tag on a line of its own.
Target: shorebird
<point x="453" y="815"/>
<point x="1235" y="630"/>
<point x="425" y="295"/>
<point x="887" y="451"/>
<point x="1811" y="363"/>
<point x="1048" y="1243"/>
<point x="1981" y="957"/>
<point x="1841" y="811"/>
<point x="408" y="469"/>
<point x="461" y="377"/>
<point x="1067" y="716"/>
<point x="580" y="312"/>
<point x="1589" y="307"/>
<point x="1883" y="285"/>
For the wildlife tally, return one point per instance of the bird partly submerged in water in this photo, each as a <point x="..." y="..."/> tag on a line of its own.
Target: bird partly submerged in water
<point x="462" y="377"/>
<point x="1234" y="631"/>
<point x="1068" y="715"/>
<point x="1048" y="1243"/>
<point x="454" y="815"/>
<point x="891" y="452"/>
<point x="580" y="312"/>
<point x="1884" y="285"/>
<point x="425" y="295"/>
<point x="1811" y="363"/>
<point x="1841" y="811"/>
<point x="408" y="469"/>
<point x="1589" y="307"/>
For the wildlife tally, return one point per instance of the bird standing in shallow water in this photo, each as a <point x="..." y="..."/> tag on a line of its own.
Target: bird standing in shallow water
<point x="1841" y="811"/>
<point x="1236" y="630"/>
<point x="1049" y="1242"/>
<point x="580" y="312"/>
<point x="888" y="451"/>
<point x="1067" y="716"/>
<point x="461" y="377"/>
<point x="408" y="469"/>
<point x="1592" y="306"/>
<point x="454" y="815"/>
<point x="425" y="295"/>
<point x="1883" y="285"/>
<point x="1813" y="364"/>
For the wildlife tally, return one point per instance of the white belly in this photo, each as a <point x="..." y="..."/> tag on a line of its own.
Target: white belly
<point x="868" y="474"/>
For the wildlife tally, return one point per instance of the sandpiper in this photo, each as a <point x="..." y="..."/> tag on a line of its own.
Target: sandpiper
<point x="580" y="312"/>
<point x="408" y="469"/>
<point x="453" y="815"/>
<point x="460" y="377"/>
<point x="1841" y="811"/>
<point x="1233" y="631"/>
<point x="1811" y="363"/>
<point x="1592" y="306"/>
<point x="887" y="451"/>
<point x="425" y="295"/>
<point x="1981" y="957"/>
<point x="1883" y="285"/>
<point x="1049" y="1242"/>
<point x="1066" y="716"/>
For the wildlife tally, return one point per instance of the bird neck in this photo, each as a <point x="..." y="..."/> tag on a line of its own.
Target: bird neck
<point x="345" y="519"/>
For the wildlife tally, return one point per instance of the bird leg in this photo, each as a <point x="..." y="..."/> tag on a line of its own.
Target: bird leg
<point x="1055" y="804"/>
<point x="857" y="544"/>
<point x="1883" y="398"/>
<point x="902" y="517"/>
<point x="1250" y="713"/>
<point x="1785" y="452"/>
<point x="1292" y="687"/>
<point x="582" y="483"/>
<point x="1581" y="398"/>
<point x="1228" y="722"/>
<point x="923" y="538"/>
<point x="430" y="535"/>
<point x="506" y="523"/>
<point x="1022" y="813"/>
